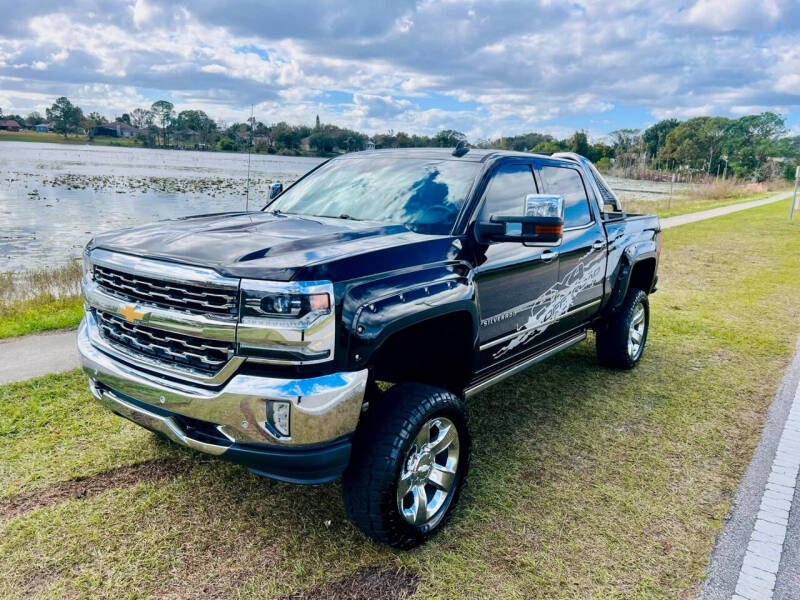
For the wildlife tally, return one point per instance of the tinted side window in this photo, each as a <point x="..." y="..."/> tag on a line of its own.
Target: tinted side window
<point x="505" y="194"/>
<point x="568" y="184"/>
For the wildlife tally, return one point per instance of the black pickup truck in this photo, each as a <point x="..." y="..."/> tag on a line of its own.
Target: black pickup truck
<point x="339" y="330"/>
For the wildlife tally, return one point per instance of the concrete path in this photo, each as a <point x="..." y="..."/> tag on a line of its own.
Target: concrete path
<point x="35" y="355"/>
<point x="722" y="210"/>
<point x="757" y="555"/>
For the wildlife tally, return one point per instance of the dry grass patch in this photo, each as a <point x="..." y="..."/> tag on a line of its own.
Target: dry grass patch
<point x="82" y="487"/>
<point x="367" y="583"/>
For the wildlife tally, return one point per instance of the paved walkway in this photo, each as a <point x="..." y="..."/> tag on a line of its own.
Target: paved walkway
<point x="35" y="355"/>
<point x="722" y="210"/>
<point x="757" y="555"/>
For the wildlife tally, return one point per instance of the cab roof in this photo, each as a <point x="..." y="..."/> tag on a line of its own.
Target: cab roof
<point x="474" y="154"/>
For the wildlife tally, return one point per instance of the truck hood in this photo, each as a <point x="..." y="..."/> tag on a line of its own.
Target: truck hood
<point x="256" y="244"/>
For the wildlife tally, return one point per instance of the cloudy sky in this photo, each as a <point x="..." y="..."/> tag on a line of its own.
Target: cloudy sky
<point x="485" y="68"/>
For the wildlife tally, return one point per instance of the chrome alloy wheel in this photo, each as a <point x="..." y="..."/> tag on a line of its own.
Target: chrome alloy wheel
<point x="636" y="332"/>
<point x="429" y="472"/>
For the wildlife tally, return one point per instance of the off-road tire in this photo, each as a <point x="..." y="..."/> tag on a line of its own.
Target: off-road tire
<point x="613" y="334"/>
<point x="380" y="447"/>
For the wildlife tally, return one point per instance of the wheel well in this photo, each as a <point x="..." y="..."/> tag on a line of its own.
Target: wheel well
<point x="437" y="351"/>
<point x="643" y="274"/>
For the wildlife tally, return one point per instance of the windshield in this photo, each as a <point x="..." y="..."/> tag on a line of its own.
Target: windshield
<point x="424" y="194"/>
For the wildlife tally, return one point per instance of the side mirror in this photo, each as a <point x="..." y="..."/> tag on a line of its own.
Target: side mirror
<point x="275" y="190"/>
<point x="541" y="223"/>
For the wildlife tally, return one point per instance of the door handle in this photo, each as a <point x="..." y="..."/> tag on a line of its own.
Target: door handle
<point x="549" y="255"/>
<point x="599" y="245"/>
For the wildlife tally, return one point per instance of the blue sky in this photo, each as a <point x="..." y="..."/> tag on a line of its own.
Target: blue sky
<point x="487" y="68"/>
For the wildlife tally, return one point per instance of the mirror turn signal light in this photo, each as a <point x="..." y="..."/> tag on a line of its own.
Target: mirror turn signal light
<point x="549" y="229"/>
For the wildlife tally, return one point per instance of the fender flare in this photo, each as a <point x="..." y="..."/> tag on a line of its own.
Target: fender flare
<point x="633" y="255"/>
<point x="374" y="311"/>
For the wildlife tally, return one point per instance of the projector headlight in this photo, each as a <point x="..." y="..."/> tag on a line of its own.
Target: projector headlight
<point x="280" y="304"/>
<point x="287" y="323"/>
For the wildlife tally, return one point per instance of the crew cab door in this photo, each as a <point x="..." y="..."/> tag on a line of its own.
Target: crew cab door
<point x="513" y="280"/>
<point x="582" y="254"/>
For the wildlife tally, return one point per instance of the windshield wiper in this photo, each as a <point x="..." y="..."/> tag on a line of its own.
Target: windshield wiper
<point x="344" y="216"/>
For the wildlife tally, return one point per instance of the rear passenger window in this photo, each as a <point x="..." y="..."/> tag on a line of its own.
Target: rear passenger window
<point x="568" y="184"/>
<point x="505" y="194"/>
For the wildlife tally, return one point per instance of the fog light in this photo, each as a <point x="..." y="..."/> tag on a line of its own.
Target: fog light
<point x="278" y="412"/>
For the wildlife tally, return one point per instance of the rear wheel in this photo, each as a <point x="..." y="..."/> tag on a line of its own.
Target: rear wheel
<point x="410" y="457"/>
<point x="621" y="339"/>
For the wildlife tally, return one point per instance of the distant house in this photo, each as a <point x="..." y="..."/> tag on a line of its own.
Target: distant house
<point x="369" y="145"/>
<point x="118" y="129"/>
<point x="10" y="125"/>
<point x="42" y="127"/>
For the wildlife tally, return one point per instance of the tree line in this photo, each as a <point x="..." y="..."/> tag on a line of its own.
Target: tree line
<point x="751" y="147"/>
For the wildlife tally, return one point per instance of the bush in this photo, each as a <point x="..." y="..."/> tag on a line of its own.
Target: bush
<point x="603" y="165"/>
<point x="226" y="144"/>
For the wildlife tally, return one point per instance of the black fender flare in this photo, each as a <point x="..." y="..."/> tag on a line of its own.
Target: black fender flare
<point x="375" y="310"/>
<point x="633" y="255"/>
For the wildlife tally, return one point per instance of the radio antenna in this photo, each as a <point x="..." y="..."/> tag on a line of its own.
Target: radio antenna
<point x="249" y="148"/>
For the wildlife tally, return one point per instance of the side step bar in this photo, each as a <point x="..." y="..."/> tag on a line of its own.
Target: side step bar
<point x="521" y="366"/>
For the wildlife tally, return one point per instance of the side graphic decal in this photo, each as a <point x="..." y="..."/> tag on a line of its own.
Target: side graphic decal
<point x="558" y="299"/>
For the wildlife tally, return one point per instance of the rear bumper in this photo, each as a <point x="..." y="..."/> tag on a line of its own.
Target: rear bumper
<point x="230" y="421"/>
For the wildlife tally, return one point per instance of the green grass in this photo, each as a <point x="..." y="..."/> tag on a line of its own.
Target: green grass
<point x="57" y="138"/>
<point x="44" y="313"/>
<point x="40" y="300"/>
<point x="585" y="482"/>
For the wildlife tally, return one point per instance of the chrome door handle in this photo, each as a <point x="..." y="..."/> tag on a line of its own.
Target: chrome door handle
<point x="549" y="255"/>
<point x="599" y="245"/>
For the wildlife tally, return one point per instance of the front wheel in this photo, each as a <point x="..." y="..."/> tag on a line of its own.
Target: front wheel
<point x="621" y="339"/>
<point x="410" y="458"/>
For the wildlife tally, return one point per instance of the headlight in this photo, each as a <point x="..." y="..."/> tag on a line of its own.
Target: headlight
<point x="287" y="323"/>
<point x="279" y="304"/>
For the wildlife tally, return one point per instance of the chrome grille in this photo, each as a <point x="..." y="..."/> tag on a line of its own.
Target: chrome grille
<point x="207" y="356"/>
<point x="165" y="294"/>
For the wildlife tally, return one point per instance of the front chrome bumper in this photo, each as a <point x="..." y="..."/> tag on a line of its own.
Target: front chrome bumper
<point x="323" y="409"/>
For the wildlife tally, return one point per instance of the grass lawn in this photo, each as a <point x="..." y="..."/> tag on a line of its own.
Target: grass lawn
<point x="585" y="482"/>
<point x="40" y="314"/>
<point x="57" y="138"/>
<point x="40" y="300"/>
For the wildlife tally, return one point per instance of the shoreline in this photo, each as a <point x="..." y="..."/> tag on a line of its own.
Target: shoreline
<point x="74" y="140"/>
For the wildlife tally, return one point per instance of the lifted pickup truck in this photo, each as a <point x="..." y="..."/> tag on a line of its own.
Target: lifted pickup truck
<point x="261" y="337"/>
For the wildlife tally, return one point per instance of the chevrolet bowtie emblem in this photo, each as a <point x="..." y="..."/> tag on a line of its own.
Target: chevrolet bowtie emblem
<point x="130" y="313"/>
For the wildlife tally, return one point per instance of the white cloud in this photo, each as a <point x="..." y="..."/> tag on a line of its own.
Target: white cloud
<point x="483" y="67"/>
<point x="143" y="12"/>
<point x="730" y="15"/>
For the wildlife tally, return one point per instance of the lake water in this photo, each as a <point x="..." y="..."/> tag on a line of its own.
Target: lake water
<point x="54" y="198"/>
